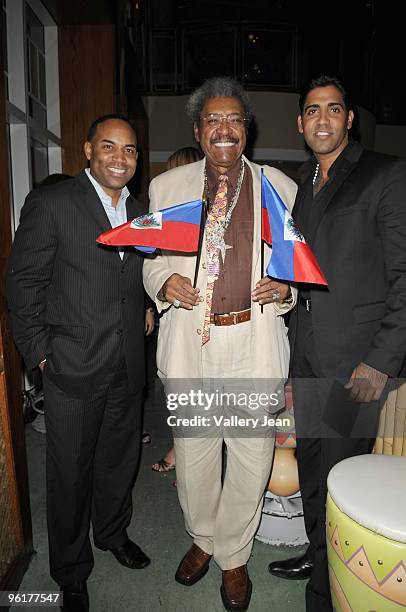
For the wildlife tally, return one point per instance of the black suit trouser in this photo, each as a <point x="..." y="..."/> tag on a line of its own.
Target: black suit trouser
<point x="93" y="448"/>
<point x="329" y="428"/>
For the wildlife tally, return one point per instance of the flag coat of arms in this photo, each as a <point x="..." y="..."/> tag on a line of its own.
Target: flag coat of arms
<point x="291" y="258"/>
<point x="174" y="229"/>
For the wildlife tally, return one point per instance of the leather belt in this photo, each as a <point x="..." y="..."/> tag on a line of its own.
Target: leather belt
<point x="306" y="303"/>
<point x="232" y="318"/>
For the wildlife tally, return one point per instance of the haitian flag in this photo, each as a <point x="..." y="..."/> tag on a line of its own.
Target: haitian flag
<point x="174" y="229"/>
<point x="291" y="258"/>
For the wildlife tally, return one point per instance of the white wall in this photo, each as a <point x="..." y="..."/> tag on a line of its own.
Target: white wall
<point x="275" y="115"/>
<point x="275" y="124"/>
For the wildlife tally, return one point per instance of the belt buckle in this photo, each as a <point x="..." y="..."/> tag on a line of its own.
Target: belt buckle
<point x="235" y="319"/>
<point x="308" y="305"/>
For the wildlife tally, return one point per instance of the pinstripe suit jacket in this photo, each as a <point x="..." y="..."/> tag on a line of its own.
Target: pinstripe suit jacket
<point x="72" y="300"/>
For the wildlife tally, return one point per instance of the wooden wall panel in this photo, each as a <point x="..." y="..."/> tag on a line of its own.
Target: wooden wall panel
<point x="11" y="535"/>
<point x="87" y="82"/>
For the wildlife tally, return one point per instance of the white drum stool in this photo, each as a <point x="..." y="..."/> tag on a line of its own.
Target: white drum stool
<point x="366" y="534"/>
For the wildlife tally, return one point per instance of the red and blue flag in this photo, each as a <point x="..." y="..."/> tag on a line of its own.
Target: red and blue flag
<point x="291" y="258"/>
<point x="173" y="229"/>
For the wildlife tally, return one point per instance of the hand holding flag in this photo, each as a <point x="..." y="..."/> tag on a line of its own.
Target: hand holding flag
<point x="291" y="258"/>
<point x="175" y="229"/>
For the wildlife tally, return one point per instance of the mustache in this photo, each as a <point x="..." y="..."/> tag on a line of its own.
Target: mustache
<point x="228" y="139"/>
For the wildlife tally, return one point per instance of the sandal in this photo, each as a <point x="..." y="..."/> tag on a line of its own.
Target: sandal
<point x="163" y="466"/>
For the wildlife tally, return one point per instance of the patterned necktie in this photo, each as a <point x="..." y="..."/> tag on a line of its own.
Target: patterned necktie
<point x="215" y="217"/>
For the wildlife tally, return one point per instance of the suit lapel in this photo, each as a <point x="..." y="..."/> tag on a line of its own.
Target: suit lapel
<point x="297" y="212"/>
<point x="194" y="178"/>
<point x="134" y="209"/>
<point x="256" y="197"/>
<point x="321" y="207"/>
<point x="348" y="164"/>
<point x="95" y="209"/>
<point x="92" y="205"/>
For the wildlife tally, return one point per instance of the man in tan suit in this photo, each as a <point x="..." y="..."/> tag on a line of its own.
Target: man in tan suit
<point x="227" y="332"/>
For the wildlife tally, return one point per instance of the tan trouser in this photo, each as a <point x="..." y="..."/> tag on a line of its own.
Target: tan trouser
<point x="222" y="520"/>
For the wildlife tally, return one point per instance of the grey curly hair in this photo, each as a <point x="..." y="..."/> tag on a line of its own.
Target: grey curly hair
<point x="217" y="87"/>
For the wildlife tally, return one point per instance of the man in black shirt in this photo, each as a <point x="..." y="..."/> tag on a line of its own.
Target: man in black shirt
<point x="347" y="339"/>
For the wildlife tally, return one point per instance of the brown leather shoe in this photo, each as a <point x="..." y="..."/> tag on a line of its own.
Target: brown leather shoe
<point x="236" y="589"/>
<point x="194" y="565"/>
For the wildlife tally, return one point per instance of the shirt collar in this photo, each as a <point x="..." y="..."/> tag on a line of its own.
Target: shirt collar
<point x="104" y="197"/>
<point x="344" y="155"/>
<point x="213" y="175"/>
<point x="309" y="167"/>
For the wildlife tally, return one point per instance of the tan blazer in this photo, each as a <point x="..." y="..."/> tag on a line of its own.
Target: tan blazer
<point x="179" y="353"/>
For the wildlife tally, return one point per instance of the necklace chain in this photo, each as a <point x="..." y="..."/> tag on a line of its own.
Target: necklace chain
<point x="236" y="195"/>
<point x="215" y="236"/>
<point x="316" y="174"/>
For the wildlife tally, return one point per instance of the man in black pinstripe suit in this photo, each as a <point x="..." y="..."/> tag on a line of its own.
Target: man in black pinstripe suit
<point x="78" y="312"/>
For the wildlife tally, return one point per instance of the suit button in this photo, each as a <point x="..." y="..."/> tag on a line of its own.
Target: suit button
<point x="203" y="266"/>
<point x="199" y="332"/>
<point x="119" y="332"/>
<point x="122" y="270"/>
<point x="123" y="300"/>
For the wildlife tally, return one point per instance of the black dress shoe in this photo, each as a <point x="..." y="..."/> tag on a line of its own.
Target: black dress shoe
<point x="75" y="597"/>
<point x="130" y="555"/>
<point x="295" y="568"/>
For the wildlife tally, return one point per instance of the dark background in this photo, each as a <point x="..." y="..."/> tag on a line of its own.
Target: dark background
<point x="271" y="44"/>
<point x="172" y="45"/>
